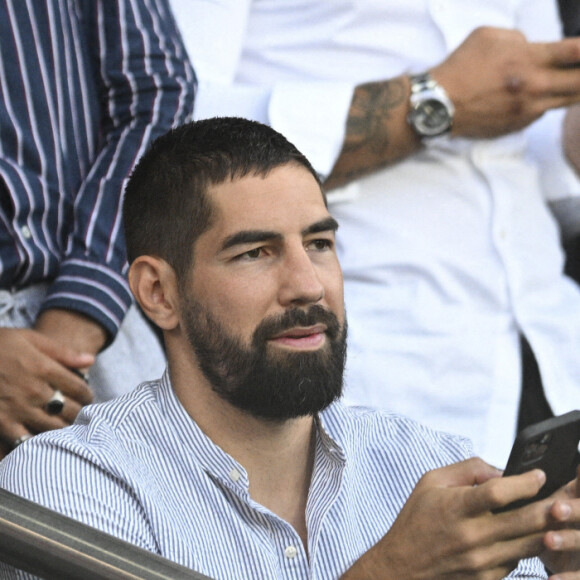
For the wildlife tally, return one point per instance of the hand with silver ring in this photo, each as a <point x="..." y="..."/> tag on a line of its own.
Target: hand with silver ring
<point x="21" y="440"/>
<point x="55" y="404"/>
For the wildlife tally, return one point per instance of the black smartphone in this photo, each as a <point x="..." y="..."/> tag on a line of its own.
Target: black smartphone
<point x="552" y="446"/>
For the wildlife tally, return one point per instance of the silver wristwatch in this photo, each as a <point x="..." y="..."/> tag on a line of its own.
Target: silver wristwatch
<point x="432" y="111"/>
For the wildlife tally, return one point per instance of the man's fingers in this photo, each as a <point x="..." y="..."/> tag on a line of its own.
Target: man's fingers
<point x="561" y="92"/>
<point x="518" y="549"/>
<point x="562" y="540"/>
<point x="35" y="369"/>
<point x="500" y="492"/>
<point x="70" y="410"/>
<point x="563" y="53"/>
<point x="24" y="418"/>
<point x="69" y="383"/>
<point x="36" y="420"/>
<point x="565" y="511"/>
<point x="68" y="357"/>
<point x="566" y="576"/>
<point x="51" y="415"/>
<point x="12" y="435"/>
<point x="470" y="472"/>
<point x="52" y="363"/>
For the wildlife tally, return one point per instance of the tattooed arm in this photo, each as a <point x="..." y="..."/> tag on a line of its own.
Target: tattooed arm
<point x="498" y="81"/>
<point x="377" y="133"/>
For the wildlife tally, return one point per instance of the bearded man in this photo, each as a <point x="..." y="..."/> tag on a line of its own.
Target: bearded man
<point x="241" y="462"/>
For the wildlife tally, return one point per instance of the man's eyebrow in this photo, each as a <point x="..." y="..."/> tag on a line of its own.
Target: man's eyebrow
<point x="253" y="236"/>
<point x="325" y="225"/>
<point x="249" y="237"/>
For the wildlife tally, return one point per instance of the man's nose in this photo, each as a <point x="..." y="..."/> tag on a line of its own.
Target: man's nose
<point x="299" y="280"/>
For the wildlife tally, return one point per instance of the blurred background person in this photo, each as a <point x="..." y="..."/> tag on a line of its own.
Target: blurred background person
<point x="568" y="210"/>
<point x="452" y="259"/>
<point x="85" y="86"/>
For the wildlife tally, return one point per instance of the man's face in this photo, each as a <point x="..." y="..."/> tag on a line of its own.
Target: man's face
<point x="264" y="310"/>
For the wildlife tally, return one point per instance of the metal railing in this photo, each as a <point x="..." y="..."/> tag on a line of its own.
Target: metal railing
<point x="52" y="546"/>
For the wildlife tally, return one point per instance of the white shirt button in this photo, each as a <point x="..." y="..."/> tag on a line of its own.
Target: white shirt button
<point x="26" y="232"/>
<point x="235" y="475"/>
<point x="290" y="552"/>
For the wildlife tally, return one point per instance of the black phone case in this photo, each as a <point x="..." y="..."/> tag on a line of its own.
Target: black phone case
<point x="551" y="446"/>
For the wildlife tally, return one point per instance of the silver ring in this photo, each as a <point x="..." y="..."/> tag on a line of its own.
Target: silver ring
<point x="21" y="440"/>
<point x="55" y="404"/>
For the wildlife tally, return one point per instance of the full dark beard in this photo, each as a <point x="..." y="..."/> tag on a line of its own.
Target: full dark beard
<point x="271" y="385"/>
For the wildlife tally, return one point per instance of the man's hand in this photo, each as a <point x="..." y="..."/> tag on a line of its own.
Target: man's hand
<point x="499" y="82"/>
<point x="563" y="555"/>
<point x="36" y="362"/>
<point x="447" y="529"/>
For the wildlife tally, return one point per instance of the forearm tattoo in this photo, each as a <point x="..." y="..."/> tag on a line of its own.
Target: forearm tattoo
<point x="367" y="142"/>
<point x="370" y="112"/>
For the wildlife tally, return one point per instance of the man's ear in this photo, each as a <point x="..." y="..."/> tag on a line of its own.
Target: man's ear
<point x="154" y="284"/>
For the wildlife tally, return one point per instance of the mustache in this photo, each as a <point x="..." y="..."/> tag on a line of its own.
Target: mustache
<point x="316" y="314"/>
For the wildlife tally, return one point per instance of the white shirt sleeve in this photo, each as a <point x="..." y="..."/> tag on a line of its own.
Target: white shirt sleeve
<point x="313" y="116"/>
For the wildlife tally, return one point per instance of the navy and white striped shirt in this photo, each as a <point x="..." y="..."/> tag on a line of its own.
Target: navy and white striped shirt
<point x="139" y="468"/>
<point x="84" y="87"/>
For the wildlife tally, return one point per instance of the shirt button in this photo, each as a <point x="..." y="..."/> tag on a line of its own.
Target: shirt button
<point x="235" y="475"/>
<point x="290" y="552"/>
<point x="26" y="232"/>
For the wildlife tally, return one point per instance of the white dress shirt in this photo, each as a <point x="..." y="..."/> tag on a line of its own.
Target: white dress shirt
<point x="447" y="255"/>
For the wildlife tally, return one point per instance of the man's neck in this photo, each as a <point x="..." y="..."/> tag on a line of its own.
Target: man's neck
<point x="278" y="456"/>
<point x="279" y="461"/>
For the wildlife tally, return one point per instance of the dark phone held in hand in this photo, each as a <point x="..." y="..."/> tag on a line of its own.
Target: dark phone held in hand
<point x="549" y="445"/>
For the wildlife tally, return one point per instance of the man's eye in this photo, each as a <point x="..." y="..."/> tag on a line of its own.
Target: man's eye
<point x="251" y="254"/>
<point x="321" y="245"/>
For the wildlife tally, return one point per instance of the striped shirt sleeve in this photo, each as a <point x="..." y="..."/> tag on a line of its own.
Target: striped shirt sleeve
<point x="146" y="86"/>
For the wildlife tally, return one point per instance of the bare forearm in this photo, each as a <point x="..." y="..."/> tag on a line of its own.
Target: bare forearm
<point x="377" y="132"/>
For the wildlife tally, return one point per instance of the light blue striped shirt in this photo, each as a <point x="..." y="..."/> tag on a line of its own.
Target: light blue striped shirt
<point x="139" y="468"/>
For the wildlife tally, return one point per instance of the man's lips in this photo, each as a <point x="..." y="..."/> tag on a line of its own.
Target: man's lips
<point x="301" y="337"/>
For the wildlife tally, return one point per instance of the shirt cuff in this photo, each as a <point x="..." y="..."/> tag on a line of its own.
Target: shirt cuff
<point x="313" y="117"/>
<point x="91" y="289"/>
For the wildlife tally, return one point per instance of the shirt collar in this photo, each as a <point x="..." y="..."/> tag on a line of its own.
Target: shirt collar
<point x="219" y="464"/>
<point x="196" y="444"/>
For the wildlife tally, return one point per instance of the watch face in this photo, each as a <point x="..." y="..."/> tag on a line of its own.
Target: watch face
<point x="431" y="118"/>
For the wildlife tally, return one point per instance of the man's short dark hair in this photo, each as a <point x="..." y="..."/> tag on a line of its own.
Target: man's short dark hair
<point x="166" y="207"/>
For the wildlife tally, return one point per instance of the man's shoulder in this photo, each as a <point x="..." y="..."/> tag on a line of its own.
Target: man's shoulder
<point x="105" y="444"/>
<point x="121" y="415"/>
<point x="101" y="431"/>
<point x="358" y="428"/>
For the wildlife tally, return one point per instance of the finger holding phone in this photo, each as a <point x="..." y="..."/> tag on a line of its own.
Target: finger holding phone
<point x="563" y="545"/>
<point x="552" y="446"/>
<point x="446" y="528"/>
<point x="470" y="522"/>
